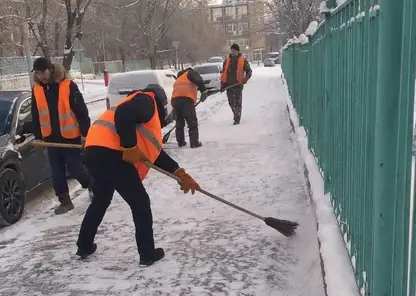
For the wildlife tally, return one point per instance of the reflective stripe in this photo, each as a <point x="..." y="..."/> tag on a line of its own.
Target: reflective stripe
<point x="69" y="127"/>
<point x="66" y="115"/>
<point x="148" y="135"/>
<point x="43" y="112"/>
<point x="44" y="124"/>
<point x="106" y="124"/>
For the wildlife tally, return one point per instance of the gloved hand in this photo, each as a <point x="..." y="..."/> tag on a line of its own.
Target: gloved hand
<point x="133" y="155"/>
<point x="188" y="183"/>
<point x="245" y="80"/>
<point x="204" y="96"/>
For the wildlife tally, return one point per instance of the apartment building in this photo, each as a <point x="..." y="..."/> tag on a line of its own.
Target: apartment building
<point x="242" y="22"/>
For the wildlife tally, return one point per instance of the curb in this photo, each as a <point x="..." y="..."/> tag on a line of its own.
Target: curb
<point x="337" y="270"/>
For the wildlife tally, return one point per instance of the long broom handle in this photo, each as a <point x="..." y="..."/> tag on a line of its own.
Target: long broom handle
<point x="151" y="165"/>
<point x="228" y="87"/>
<point x="162" y="171"/>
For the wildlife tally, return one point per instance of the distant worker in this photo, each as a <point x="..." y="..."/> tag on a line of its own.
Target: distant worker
<point x="59" y="115"/>
<point x="236" y="70"/>
<point x="184" y="97"/>
<point x="117" y="143"/>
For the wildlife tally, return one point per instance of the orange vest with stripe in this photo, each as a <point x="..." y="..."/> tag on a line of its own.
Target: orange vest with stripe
<point x="67" y="120"/>
<point x="149" y="135"/>
<point x="183" y="87"/>
<point x="240" y="70"/>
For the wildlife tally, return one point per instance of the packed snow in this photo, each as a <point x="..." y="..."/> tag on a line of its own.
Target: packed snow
<point x="339" y="273"/>
<point x="211" y="249"/>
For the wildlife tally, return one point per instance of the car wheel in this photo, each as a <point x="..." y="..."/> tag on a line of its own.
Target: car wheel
<point x="12" y="197"/>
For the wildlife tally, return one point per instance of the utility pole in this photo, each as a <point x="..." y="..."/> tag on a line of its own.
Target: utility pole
<point x="26" y="46"/>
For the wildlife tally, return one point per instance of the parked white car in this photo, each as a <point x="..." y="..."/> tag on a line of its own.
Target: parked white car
<point x="211" y="73"/>
<point x="216" y="60"/>
<point x="122" y="83"/>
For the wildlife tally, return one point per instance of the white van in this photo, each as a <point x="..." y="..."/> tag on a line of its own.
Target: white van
<point x="123" y="83"/>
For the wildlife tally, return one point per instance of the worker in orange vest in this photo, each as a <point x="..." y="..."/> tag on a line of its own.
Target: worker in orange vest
<point x="236" y="70"/>
<point x="184" y="97"/>
<point x="117" y="143"/>
<point x="59" y="114"/>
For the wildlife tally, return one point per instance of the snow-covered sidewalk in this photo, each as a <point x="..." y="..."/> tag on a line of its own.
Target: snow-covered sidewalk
<point x="211" y="249"/>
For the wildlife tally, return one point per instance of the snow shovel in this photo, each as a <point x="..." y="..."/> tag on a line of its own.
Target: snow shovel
<point x="167" y="135"/>
<point x="285" y="227"/>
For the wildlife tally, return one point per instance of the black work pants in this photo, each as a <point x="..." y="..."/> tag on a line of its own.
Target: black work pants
<point x="185" y="111"/>
<point x="61" y="159"/>
<point x="235" y="100"/>
<point x="122" y="177"/>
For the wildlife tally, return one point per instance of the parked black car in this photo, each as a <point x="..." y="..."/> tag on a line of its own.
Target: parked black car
<point x="22" y="166"/>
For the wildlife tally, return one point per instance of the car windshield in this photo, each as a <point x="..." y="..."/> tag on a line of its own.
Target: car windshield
<point x="215" y="60"/>
<point x="130" y="82"/>
<point x="5" y="116"/>
<point x="207" y="70"/>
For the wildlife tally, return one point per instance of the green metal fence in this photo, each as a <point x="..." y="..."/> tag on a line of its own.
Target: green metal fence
<point x="353" y="88"/>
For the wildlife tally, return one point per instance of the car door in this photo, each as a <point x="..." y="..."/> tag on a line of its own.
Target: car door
<point x="35" y="162"/>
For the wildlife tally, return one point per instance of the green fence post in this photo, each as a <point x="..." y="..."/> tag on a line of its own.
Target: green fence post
<point x="386" y="130"/>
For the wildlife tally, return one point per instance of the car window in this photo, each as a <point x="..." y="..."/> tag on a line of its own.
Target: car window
<point x="130" y="82"/>
<point x="207" y="70"/>
<point x="215" y="60"/>
<point x="24" y="113"/>
<point x="6" y="114"/>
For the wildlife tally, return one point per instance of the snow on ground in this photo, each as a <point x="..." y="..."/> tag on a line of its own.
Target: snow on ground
<point x="211" y="249"/>
<point x="339" y="274"/>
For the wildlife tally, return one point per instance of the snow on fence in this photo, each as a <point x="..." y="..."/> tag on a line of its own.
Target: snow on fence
<point x="352" y="85"/>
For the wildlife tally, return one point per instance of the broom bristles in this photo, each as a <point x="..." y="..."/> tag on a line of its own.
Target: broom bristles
<point x="285" y="227"/>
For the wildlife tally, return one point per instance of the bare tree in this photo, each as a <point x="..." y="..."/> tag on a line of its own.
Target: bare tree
<point x="291" y="17"/>
<point x="75" y="17"/>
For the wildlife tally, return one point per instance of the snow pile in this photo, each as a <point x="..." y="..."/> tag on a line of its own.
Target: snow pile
<point x="311" y="28"/>
<point x="339" y="274"/>
<point x="303" y="39"/>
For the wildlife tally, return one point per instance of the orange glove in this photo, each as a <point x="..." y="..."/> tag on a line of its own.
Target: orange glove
<point x="133" y="155"/>
<point x="188" y="183"/>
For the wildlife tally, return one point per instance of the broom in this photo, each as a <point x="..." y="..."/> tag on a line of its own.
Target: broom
<point x="285" y="227"/>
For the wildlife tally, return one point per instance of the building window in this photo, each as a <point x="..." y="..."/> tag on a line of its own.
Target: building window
<point x="230" y="12"/>
<point x="241" y="11"/>
<point x="217" y="14"/>
<point x="231" y="42"/>
<point x="243" y="42"/>
<point x="230" y="28"/>
<point x="219" y="28"/>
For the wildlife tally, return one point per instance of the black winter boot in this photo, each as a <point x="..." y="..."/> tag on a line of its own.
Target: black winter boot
<point x="196" y="145"/>
<point x="66" y="204"/>
<point x="182" y="144"/>
<point x="148" y="259"/>
<point x="85" y="253"/>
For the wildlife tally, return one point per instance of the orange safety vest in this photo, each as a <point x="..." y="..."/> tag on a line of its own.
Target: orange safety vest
<point x="240" y="70"/>
<point x="67" y="120"/>
<point x="149" y="135"/>
<point x="183" y="87"/>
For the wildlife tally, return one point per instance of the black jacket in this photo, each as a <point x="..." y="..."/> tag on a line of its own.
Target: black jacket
<point x="195" y="78"/>
<point x="127" y="116"/>
<point x="77" y="104"/>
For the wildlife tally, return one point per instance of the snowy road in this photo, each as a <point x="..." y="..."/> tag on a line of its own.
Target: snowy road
<point x="211" y="249"/>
